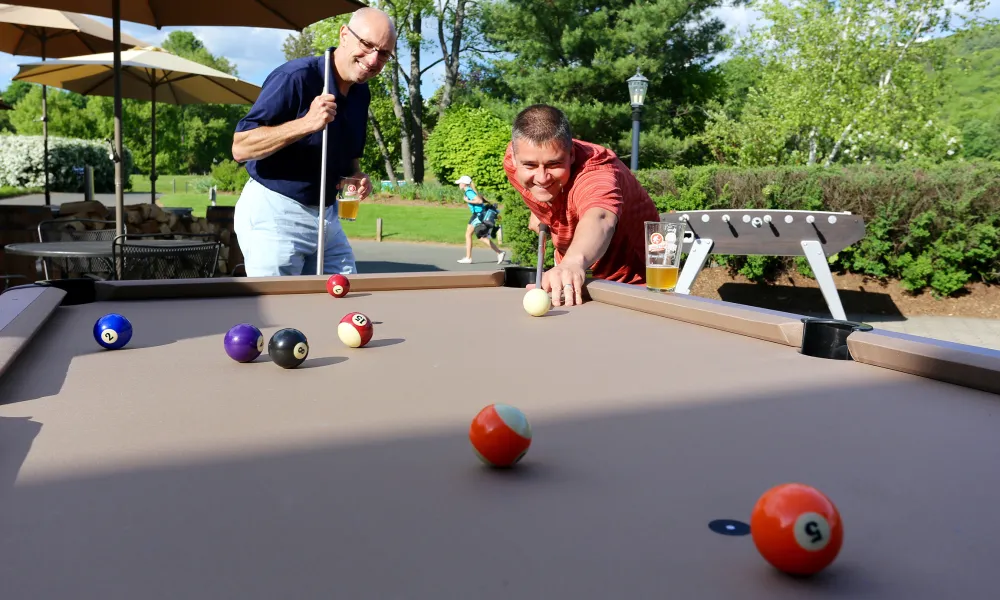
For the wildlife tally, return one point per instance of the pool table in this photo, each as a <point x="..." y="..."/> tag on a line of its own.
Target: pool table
<point x="167" y="470"/>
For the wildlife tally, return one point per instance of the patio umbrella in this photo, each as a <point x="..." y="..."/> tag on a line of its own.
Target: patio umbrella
<point x="46" y="33"/>
<point x="149" y="73"/>
<point x="276" y="14"/>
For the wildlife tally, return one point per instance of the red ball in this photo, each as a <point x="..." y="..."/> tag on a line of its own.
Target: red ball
<point x="338" y="286"/>
<point x="797" y="529"/>
<point x="355" y="330"/>
<point x="500" y="435"/>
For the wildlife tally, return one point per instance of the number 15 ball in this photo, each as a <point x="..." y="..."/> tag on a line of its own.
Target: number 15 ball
<point x="796" y="528"/>
<point x="355" y="330"/>
<point x="112" y="331"/>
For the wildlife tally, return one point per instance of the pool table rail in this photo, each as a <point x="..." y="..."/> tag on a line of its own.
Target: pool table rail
<point x="25" y="309"/>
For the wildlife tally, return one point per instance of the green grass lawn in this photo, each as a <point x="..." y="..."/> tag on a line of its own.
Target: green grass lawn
<point x="405" y="223"/>
<point x="10" y="192"/>
<point x="166" y="184"/>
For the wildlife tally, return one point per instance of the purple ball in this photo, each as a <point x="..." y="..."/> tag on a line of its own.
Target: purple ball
<point x="244" y="342"/>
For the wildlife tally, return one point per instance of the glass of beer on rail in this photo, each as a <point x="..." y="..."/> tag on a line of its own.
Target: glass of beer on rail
<point x="349" y="198"/>
<point x="664" y="244"/>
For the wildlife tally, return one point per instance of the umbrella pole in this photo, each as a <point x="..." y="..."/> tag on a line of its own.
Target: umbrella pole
<point x="45" y="133"/>
<point x="322" y="177"/>
<point x="118" y="152"/>
<point x="152" y="152"/>
<point x="45" y="142"/>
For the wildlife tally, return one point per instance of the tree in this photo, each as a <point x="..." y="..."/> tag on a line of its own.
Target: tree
<point x="854" y="80"/>
<point x="299" y="45"/>
<point x="577" y="54"/>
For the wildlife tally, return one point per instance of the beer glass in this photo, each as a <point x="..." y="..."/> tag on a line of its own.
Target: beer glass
<point x="349" y="199"/>
<point x="664" y="244"/>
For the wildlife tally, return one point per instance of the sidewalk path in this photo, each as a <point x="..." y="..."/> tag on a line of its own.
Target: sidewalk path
<point x="389" y="257"/>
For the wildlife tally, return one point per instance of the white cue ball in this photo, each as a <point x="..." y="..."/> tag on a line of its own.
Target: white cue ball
<point x="537" y="302"/>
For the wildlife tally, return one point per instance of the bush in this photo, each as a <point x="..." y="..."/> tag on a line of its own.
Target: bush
<point x="229" y="176"/>
<point x="22" y="163"/>
<point x="522" y="241"/>
<point x="932" y="227"/>
<point x="469" y="141"/>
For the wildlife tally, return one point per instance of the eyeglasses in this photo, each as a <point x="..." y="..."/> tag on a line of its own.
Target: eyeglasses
<point x="370" y="47"/>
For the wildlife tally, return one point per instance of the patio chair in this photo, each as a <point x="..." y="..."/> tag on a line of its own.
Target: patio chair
<point x="197" y="259"/>
<point x="63" y="230"/>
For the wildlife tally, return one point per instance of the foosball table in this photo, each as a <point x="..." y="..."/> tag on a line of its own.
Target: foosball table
<point x="816" y="235"/>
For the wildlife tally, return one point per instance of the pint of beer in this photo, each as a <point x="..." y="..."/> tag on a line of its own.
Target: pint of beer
<point x="664" y="244"/>
<point x="349" y="199"/>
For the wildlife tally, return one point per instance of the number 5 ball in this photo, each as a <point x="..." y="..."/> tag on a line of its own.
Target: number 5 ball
<point x="112" y="331"/>
<point x="500" y="435"/>
<point x="355" y="330"/>
<point x="797" y="529"/>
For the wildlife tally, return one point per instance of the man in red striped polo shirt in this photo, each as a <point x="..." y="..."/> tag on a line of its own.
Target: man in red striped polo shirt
<point x="593" y="204"/>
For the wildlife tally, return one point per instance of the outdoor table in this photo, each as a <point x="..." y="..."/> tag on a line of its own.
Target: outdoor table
<point x="96" y="250"/>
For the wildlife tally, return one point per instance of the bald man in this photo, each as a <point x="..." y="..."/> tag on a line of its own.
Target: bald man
<point x="281" y="143"/>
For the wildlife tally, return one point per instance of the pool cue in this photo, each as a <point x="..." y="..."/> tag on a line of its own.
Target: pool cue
<point x="322" y="176"/>
<point x="542" y="230"/>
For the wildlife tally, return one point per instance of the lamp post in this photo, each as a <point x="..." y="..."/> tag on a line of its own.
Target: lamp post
<point x="637" y="85"/>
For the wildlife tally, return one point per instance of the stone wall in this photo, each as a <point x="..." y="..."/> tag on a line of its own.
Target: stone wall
<point x="150" y="218"/>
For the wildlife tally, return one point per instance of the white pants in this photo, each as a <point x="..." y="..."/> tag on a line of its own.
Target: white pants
<point x="279" y="236"/>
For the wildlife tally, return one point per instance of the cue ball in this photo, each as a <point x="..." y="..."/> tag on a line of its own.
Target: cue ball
<point x="112" y="331"/>
<point x="338" y="286"/>
<point x="537" y="302"/>
<point x="796" y="528"/>
<point x="500" y="435"/>
<point x="244" y="342"/>
<point x="288" y="348"/>
<point x="355" y="330"/>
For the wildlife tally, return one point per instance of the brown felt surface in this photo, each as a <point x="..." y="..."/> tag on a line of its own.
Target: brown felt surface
<point x="166" y="470"/>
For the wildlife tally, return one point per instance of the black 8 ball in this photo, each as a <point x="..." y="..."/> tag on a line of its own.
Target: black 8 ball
<point x="288" y="348"/>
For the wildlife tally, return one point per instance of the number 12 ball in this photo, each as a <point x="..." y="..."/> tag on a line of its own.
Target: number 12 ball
<point x="797" y="529"/>
<point x="112" y="331"/>
<point x="500" y="435"/>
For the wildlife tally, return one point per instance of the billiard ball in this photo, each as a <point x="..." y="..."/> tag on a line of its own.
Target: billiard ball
<point x="244" y="342"/>
<point x="338" y="286"/>
<point x="355" y="330"/>
<point x="288" y="348"/>
<point x="112" y="331"/>
<point x="500" y="435"/>
<point x="537" y="302"/>
<point x="796" y="528"/>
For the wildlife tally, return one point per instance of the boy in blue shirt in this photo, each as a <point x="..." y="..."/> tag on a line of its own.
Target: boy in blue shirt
<point x="482" y="222"/>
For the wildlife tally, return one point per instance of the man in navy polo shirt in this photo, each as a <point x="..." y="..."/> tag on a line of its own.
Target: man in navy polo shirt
<point x="281" y="142"/>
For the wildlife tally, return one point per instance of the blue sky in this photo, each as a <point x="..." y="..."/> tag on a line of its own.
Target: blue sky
<point x="257" y="51"/>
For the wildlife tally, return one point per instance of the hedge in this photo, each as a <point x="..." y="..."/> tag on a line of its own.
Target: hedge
<point x="469" y="141"/>
<point x="934" y="228"/>
<point x="22" y="163"/>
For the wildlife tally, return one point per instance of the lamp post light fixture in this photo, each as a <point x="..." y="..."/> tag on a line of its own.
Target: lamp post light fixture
<point x="637" y="86"/>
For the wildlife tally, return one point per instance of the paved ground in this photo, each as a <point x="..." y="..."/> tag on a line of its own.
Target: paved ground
<point x="388" y="257"/>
